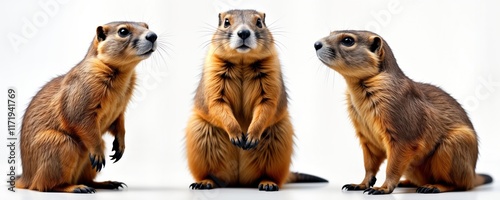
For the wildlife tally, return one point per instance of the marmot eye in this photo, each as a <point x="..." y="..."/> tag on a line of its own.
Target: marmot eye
<point x="123" y="32"/>
<point x="347" y="41"/>
<point x="259" y="23"/>
<point x="226" y="23"/>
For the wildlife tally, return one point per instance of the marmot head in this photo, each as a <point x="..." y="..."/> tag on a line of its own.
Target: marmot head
<point x="356" y="54"/>
<point x="123" y="43"/>
<point x="242" y="32"/>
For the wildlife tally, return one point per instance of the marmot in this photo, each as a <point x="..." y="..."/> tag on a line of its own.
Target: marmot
<point x="240" y="134"/>
<point x="421" y="130"/>
<point x="61" y="136"/>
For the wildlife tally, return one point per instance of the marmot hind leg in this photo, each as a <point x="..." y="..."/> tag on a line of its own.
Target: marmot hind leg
<point x="88" y="175"/>
<point x="61" y="165"/>
<point x="212" y="159"/>
<point x="456" y="157"/>
<point x="269" y="163"/>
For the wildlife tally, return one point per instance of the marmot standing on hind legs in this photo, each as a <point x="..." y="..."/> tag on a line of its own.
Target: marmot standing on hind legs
<point x="240" y="134"/>
<point x="61" y="136"/>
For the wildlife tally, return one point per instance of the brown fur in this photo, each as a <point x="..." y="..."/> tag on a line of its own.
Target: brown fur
<point x="240" y="133"/>
<point x="61" y="137"/>
<point x="421" y="130"/>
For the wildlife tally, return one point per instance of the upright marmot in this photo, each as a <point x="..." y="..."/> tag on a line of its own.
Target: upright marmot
<point x="61" y="136"/>
<point x="240" y="133"/>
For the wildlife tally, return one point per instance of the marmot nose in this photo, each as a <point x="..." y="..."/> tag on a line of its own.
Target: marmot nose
<point x="151" y="36"/>
<point x="244" y="34"/>
<point x="318" y="45"/>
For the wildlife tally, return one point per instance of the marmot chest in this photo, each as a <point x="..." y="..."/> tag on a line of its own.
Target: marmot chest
<point x="367" y="111"/>
<point x="242" y="87"/>
<point x="113" y="103"/>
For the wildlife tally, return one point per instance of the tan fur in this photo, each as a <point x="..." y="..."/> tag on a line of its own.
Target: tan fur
<point x="423" y="132"/>
<point x="64" y="123"/>
<point x="241" y="97"/>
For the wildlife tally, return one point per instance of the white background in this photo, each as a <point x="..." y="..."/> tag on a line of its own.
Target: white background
<point x="452" y="44"/>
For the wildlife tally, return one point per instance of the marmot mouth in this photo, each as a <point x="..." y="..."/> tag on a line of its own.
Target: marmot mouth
<point x="243" y="47"/>
<point x="148" y="52"/>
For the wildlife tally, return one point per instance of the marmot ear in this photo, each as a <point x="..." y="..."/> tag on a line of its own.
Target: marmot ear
<point x="264" y="19"/>
<point x="376" y="45"/>
<point x="100" y="34"/>
<point x="220" y="19"/>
